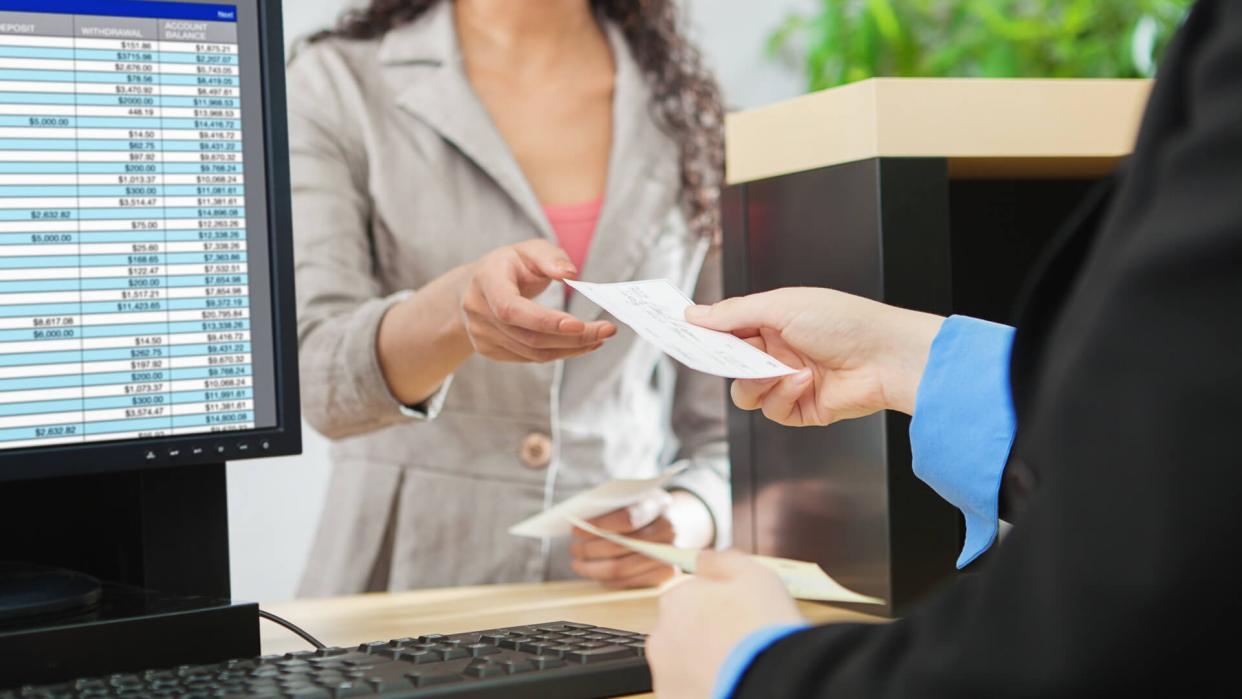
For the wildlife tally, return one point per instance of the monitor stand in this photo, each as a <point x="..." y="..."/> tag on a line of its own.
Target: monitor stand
<point x="31" y="591"/>
<point x="157" y="542"/>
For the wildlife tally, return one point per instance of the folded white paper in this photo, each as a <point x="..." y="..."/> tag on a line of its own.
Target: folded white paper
<point x="803" y="580"/>
<point x="655" y="309"/>
<point x="597" y="501"/>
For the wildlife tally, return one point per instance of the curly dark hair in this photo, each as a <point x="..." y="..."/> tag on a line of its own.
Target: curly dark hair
<point x="686" y="99"/>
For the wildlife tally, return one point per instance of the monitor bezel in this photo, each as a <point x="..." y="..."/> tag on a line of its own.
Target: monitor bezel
<point x="286" y="438"/>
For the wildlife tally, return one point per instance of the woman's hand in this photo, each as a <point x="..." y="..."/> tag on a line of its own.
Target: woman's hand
<point x="666" y="518"/>
<point x="503" y="323"/>
<point x="857" y="356"/>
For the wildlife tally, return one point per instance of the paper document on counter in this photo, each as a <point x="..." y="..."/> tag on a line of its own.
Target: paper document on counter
<point x="803" y="580"/>
<point x="655" y="309"/>
<point x="597" y="501"/>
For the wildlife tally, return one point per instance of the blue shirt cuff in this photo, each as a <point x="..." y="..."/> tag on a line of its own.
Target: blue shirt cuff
<point x="745" y="652"/>
<point x="964" y="424"/>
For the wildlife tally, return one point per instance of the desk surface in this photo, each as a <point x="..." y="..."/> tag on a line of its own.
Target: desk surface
<point x="984" y="127"/>
<point x="348" y="621"/>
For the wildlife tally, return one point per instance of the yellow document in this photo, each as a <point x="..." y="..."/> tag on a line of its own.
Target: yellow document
<point x="803" y="580"/>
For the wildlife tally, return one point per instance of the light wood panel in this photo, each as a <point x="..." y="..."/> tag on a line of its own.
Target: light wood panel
<point x="347" y="621"/>
<point x="1029" y="127"/>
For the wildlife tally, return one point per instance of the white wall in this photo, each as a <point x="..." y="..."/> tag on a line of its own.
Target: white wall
<point x="274" y="505"/>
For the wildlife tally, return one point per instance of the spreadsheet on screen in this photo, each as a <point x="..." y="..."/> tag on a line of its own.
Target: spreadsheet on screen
<point x="134" y="294"/>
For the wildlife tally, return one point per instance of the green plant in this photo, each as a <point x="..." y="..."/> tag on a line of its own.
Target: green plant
<point x="844" y="41"/>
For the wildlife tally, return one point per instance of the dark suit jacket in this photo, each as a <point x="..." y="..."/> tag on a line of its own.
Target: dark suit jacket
<point x="1121" y="576"/>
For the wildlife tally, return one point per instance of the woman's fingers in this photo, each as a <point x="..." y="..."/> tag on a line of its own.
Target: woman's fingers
<point x="593" y="334"/>
<point x="656" y="576"/>
<point x="595" y="549"/>
<point x="620" y="568"/>
<point x="543" y="258"/>
<point x="489" y="341"/>
<point x="511" y="308"/>
<point x="587" y="547"/>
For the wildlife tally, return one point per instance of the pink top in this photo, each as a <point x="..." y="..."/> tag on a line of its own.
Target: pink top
<point x="574" y="225"/>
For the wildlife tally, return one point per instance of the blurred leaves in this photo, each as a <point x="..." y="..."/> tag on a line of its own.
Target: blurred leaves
<point x="844" y="41"/>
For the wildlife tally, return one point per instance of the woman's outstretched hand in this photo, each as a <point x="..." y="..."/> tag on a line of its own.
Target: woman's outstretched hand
<point x="502" y="321"/>
<point x="856" y="356"/>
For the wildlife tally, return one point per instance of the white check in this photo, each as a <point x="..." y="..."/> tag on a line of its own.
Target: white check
<point x="600" y="500"/>
<point x="655" y="309"/>
<point x="803" y="580"/>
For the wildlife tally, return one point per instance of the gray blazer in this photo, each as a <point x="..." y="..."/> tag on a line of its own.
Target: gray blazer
<point x="399" y="176"/>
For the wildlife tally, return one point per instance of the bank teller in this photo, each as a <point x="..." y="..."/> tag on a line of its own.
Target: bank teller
<point x="1120" y="577"/>
<point x="449" y="160"/>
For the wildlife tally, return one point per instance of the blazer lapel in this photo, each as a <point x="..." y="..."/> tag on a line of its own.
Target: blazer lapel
<point x="642" y="185"/>
<point x="425" y="68"/>
<point x="424" y="65"/>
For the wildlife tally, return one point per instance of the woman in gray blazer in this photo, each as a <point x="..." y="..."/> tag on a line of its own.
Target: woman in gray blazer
<point x="451" y="159"/>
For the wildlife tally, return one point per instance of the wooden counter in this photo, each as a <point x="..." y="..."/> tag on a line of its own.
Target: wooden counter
<point x="348" y="621"/>
<point x="985" y="127"/>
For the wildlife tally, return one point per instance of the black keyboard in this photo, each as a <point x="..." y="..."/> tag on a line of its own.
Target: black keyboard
<point x="559" y="660"/>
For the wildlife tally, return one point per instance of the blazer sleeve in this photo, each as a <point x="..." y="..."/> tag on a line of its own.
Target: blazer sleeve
<point x="1120" y="578"/>
<point x="340" y="298"/>
<point x="698" y="422"/>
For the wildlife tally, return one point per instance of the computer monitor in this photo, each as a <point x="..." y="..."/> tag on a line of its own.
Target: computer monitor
<point x="146" y="296"/>
<point x="147" y="327"/>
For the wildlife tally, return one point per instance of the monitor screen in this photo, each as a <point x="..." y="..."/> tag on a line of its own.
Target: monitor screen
<point x="139" y="250"/>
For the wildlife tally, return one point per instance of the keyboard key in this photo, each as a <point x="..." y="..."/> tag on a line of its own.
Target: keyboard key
<point x="343" y="690"/>
<point x="578" y="626"/>
<point x="492" y="638"/>
<point x="513" y="642"/>
<point x="481" y="649"/>
<point x="431" y="638"/>
<point x="418" y="657"/>
<point x="615" y="632"/>
<point x="356" y="659"/>
<point x="594" y="655"/>
<point x="453" y="653"/>
<point x="558" y="651"/>
<point x="265" y="671"/>
<point x="330" y="652"/>
<point x="431" y="679"/>
<point x="575" y="632"/>
<point x="399" y="642"/>
<point x="485" y="670"/>
<point x="545" y="662"/>
<point x="514" y="667"/>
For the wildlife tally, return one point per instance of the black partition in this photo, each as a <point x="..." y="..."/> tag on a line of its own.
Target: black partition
<point x="898" y="230"/>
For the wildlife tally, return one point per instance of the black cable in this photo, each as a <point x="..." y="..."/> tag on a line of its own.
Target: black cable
<point x="294" y="628"/>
